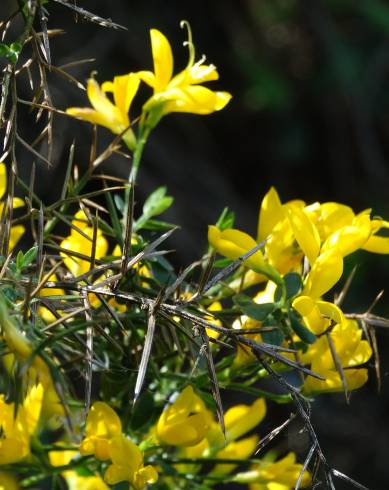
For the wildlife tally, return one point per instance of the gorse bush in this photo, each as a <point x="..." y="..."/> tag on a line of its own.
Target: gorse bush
<point x="115" y="368"/>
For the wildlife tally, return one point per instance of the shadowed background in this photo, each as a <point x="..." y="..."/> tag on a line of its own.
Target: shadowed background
<point x="310" y="116"/>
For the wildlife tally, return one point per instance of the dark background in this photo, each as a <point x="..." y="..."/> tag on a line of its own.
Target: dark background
<point x="310" y="115"/>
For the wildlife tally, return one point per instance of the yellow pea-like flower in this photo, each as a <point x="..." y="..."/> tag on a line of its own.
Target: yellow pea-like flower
<point x="271" y="475"/>
<point x="241" y="449"/>
<point x="185" y="422"/>
<point x="351" y="351"/>
<point x="240" y="419"/>
<point x="81" y="242"/>
<point x="111" y="115"/>
<point x="375" y="243"/>
<point x="182" y="92"/>
<point x="127" y="464"/>
<point x="102" y="424"/>
<point x="234" y="243"/>
<point x="317" y="315"/>
<point x="17" y="430"/>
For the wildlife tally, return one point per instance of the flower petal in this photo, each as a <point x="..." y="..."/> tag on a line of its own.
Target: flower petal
<point x="271" y="213"/>
<point x="325" y="273"/>
<point x="3" y="179"/>
<point x="162" y="58"/>
<point x="305" y="233"/>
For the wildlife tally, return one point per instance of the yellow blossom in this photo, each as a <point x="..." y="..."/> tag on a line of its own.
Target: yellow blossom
<point x="127" y="464"/>
<point x="317" y="315"/>
<point x="113" y="116"/>
<point x="17" y="430"/>
<point x="183" y="92"/>
<point x="351" y="351"/>
<point x="44" y="312"/>
<point x="16" y="231"/>
<point x="241" y="449"/>
<point x="269" y="475"/>
<point x="102" y="424"/>
<point x="185" y="422"/>
<point x="81" y="242"/>
<point x="215" y="306"/>
<point x="240" y="419"/>
<point x="234" y="243"/>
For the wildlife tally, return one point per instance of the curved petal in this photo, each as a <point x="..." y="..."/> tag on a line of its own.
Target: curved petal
<point x="325" y="273"/>
<point x="194" y="99"/>
<point x="124" y="452"/>
<point x="114" y="119"/>
<point x="162" y="58"/>
<point x="3" y="179"/>
<point x="115" y="474"/>
<point x="305" y="233"/>
<point x="125" y="88"/>
<point x="270" y="213"/>
<point x="240" y="419"/>
<point x="15" y="235"/>
<point x="89" y="115"/>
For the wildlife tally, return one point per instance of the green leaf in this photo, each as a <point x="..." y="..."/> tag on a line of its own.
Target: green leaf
<point x="155" y="204"/>
<point x="302" y="332"/>
<point x="293" y="284"/>
<point x="253" y="310"/>
<point x="275" y="337"/>
<point x="29" y="256"/>
<point x="19" y="260"/>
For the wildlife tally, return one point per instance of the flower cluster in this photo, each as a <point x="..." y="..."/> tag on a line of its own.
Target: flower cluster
<point x="183" y="92"/>
<point x="307" y="244"/>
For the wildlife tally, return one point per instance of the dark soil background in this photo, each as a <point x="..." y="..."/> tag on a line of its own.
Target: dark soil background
<point x="310" y="115"/>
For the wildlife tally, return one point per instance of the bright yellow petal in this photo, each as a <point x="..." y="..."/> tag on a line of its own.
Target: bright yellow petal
<point x="114" y="119"/>
<point x="305" y="233"/>
<point x="162" y="58"/>
<point x="325" y="273"/>
<point x="32" y="407"/>
<point x="115" y="474"/>
<point x="15" y="235"/>
<point x="123" y="452"/>
<point x="240" y="419"/>
<point x="270" y="213"/>
<point x="89" y="115"/>
<point x="124" y="90"/>
<point x="194" y="99"/>
<point x="241" y="449"/>
<point x="3" y="179"/>
<point x="17" y="202"/>
<point x="145" y="476"/>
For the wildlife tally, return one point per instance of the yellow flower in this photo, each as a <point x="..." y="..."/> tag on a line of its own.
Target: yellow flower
<point x="317" y="315"/>
<point x="102" y="424"/>
<point x="185" y="422"/>
<point x="113" y="116"/>
<point x="305" y="232"/>
<point x="240" y="419"/>
<point x="16" y="430"/>
<point x="127" y="464"/>
<point x="82" y="243"/>
<point x="73" y="480"/>
<point x="270" y="475"/>
<point x="377" y="244"/>
<point x="8" y="481"/>
<point x="241" y="449"/>
<point x="183" y="92"/>
<point x="351" y="351"/>
<point x="234" y="243"/>
<point x="16" y="231"/>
